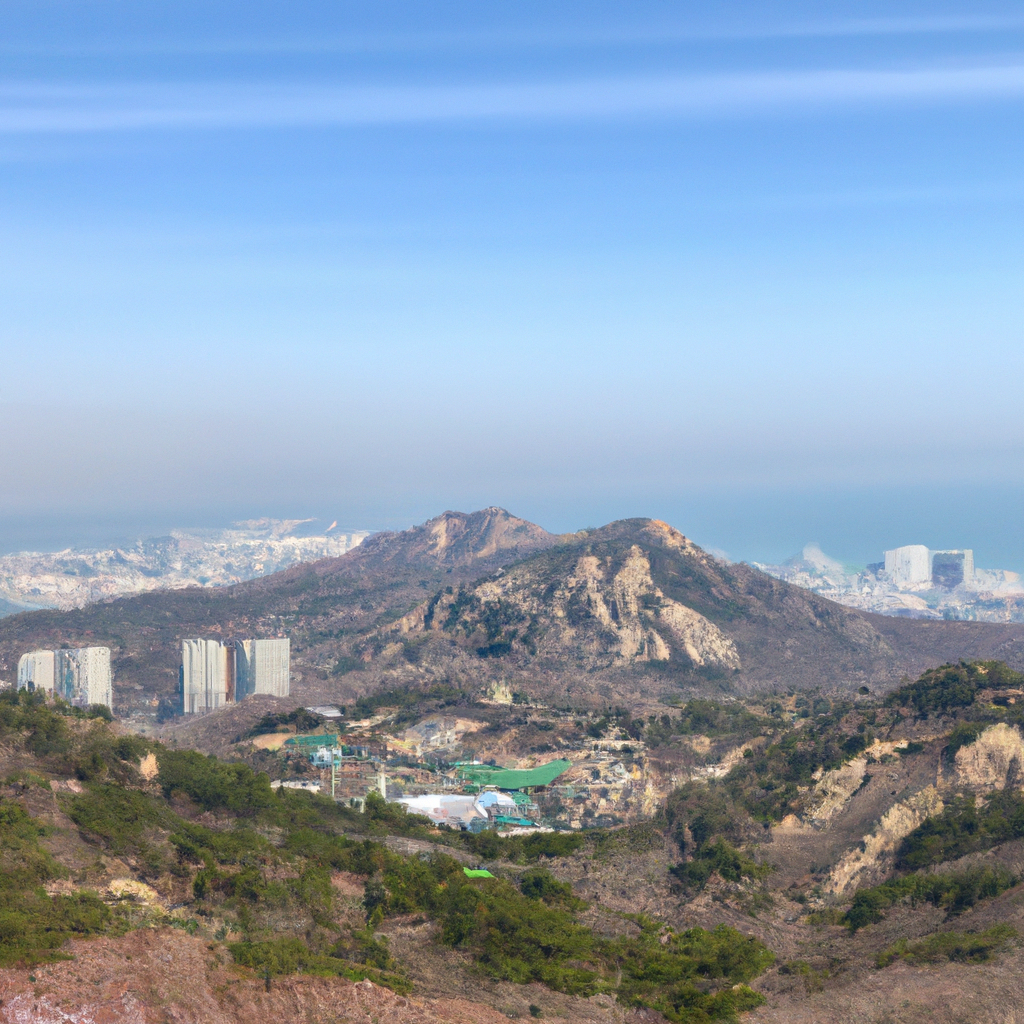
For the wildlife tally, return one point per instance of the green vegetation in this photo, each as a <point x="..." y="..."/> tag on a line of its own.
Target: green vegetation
<point x="270" y="858"/>
<point x="290" y="956"/>
<point x="966" y="947"/>
<point x="963" y="735"/>
<point x="214" y="785"/>
<point x="686" y="976"/>
<point x="772" y="780"/>
<point x="714" y="823"/>
<point x="300" y="718"/>
<point x="407" y="701"/>
<point x="955" y="892"/>
<point x="120" y="818"/>
<point x="951" y="688"/>
<point x="963" y="827"/>
<point x="529" y="849"/>
<point x="767" y="784"/>
<point x="33" y="925"/>
<point x="707" y="718"/>
<point x="721" y="858"/>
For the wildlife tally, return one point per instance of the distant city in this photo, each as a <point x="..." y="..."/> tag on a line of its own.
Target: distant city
<point x="913" y="581"/>
<point x="186" y="558"/>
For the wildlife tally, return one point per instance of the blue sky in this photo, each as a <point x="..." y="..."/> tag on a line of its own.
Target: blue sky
<point x="754" y="269"/>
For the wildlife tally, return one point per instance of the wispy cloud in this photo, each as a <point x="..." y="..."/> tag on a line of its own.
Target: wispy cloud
<point x="512" y="38"/>
<point x="30" y="108"/>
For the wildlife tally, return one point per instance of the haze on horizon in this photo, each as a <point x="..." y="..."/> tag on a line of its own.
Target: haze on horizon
<point x="755" y="272"/>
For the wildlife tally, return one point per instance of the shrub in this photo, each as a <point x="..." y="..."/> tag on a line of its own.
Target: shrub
<point x="33" y="925"/>
<point x="289" y="956"/>
<point x="718" y="857"/>
<point x="963" y="828"/>
<point x="955" y="892"/>
<point x="969" y="947"/>
<point x="214" y="785"/>
<point x="963" y="734"/>
<point x="116" y="815"/>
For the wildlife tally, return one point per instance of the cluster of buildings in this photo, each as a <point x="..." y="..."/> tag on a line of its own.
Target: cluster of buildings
<point x="491" y="797"/>
<point x="80" y="675"/>
<point x="215" y="673"/>
<point x="916" y="564"/>
<point x="913" y="581"/>
<point x="212" y="673"/>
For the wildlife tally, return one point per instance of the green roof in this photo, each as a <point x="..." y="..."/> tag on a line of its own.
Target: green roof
<point x="477" y="873"/>
<point x="514" y="778"/>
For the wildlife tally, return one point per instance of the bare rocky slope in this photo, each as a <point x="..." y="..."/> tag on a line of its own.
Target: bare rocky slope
<point x="628" y="612"/>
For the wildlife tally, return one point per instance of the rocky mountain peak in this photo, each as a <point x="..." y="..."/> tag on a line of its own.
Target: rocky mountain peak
<point x="490" y="537"/>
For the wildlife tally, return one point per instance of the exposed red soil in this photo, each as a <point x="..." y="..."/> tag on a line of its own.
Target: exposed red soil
<point x="160" y="976"/>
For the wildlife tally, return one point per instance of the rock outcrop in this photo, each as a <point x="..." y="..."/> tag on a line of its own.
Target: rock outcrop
<point x="993" y="761"/>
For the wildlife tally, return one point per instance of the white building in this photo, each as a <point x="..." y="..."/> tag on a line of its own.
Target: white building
<point x="908" y="565"/>
<point x="207" y="675"/>
<point x="444" y="808"/>
<point x="35" y="671"/>
<point x="263" y="666"/>
<point x="82" y="676"/>
<point x="915" y="564"/>
<point x="214" y="674"/>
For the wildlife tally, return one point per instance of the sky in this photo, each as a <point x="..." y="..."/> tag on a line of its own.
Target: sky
<point x="753" y="269"/>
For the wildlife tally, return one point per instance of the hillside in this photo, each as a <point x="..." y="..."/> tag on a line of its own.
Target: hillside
<point x="321" y="605"/>
<point x="817" y="858"/>
<point x="633" y="612"/>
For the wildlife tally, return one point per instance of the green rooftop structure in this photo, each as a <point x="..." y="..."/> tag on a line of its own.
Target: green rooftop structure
<point x="514" y="778"/>
<point x="477" y="873"/>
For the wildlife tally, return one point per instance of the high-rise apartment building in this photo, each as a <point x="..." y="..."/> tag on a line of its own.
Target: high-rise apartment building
<point x="35" y="671"/>
<point x="951" y="568"/>
<point x="214" y="674"/>
<point x="908" y="564"/>
<point x="263" y="666"/>
<point x="207" y="675"/>
<point x="80" y="675"/>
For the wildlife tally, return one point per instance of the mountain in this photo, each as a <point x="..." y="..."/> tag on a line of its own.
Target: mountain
<point x="322" y="605"/>
<point x="808" y="859"/>
<point x="452" y="540"/>
<point x="631" y="612"/>
<point x="73" y="578"/>
<point x="638" y="596"/>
